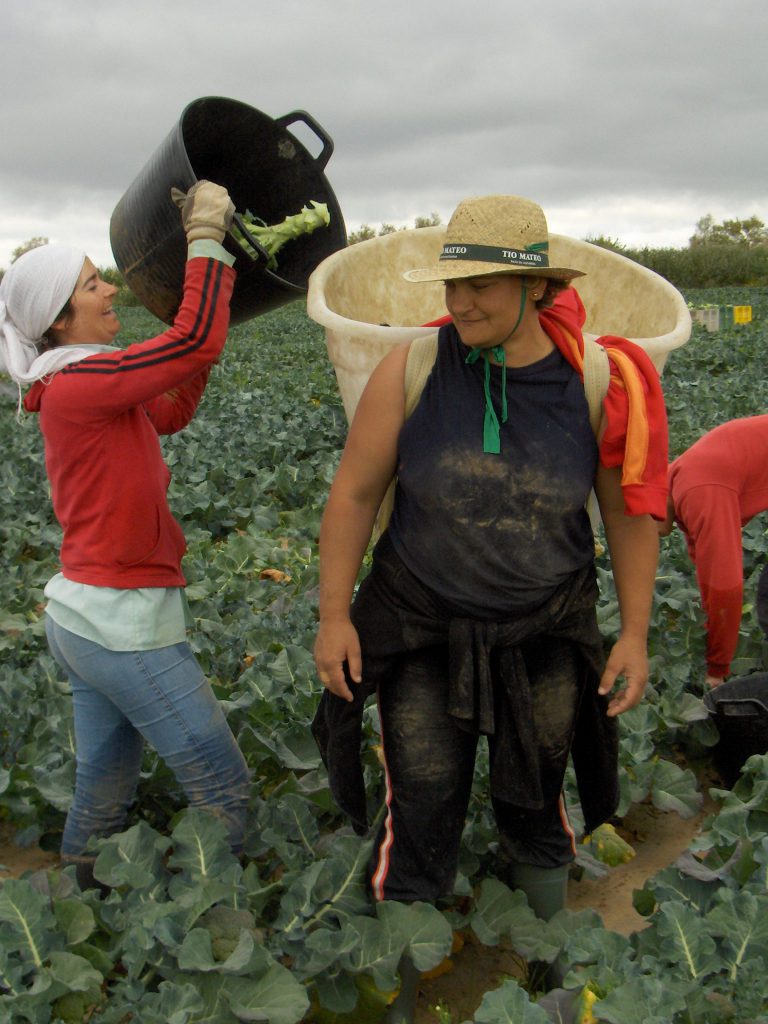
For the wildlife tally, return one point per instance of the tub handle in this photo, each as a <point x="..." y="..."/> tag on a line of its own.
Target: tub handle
<point x="262" y="256"/>
<point x="301" y="115"/>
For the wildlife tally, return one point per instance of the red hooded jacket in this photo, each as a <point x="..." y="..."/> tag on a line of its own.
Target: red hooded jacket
<point x="100" y="419"/>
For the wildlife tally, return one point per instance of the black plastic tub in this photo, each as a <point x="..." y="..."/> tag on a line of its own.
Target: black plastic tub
<point x="739" y="709"/>
<point x="266" y="170"/>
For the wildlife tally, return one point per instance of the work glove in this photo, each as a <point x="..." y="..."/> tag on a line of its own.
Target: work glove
<point x="206" y="210"/>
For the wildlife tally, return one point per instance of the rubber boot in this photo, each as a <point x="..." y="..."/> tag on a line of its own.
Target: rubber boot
<point x="403" y="1010"/>
<point x="546" y="890"/>
<point x="84" y="874"/>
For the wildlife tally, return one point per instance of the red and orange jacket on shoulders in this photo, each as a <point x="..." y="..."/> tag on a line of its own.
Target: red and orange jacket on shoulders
<point x="636" y="435"/>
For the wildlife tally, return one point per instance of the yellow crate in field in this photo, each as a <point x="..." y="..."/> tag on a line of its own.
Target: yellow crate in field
<point x="742" y="314"/>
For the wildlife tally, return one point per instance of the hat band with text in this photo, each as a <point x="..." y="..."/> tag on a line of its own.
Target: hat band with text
<point x="495" y="254"/>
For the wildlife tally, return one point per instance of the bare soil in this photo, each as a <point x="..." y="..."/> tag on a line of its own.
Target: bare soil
<point x="657" y="838"/>
<point x="15" y="860"/>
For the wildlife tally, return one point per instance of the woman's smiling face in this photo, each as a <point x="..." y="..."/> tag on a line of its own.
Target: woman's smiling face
<point x="92" y="320"/>
<point x="485" y="310"/>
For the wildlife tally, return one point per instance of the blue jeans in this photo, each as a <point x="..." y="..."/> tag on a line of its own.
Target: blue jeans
<point x="121" y="699"/>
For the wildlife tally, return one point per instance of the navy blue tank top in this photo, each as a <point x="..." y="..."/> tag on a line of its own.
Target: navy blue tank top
<point x="495" y="535"/>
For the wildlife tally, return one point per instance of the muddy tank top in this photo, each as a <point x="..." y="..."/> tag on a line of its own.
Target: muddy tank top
<point x="495" y="535"/>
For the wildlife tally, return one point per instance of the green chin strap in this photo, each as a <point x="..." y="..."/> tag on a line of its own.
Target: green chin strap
<point x="491" y="428"/>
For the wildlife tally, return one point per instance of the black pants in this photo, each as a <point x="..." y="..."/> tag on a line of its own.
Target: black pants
<point x="528" y="682"/>
<point x="430" y="765"/>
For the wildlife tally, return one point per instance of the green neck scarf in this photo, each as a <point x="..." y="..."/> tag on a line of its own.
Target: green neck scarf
<point x="491" y="428"/>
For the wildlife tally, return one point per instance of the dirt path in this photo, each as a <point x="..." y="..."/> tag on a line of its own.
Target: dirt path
<point x="658" y="839"/>
<point x="15" y="860"/>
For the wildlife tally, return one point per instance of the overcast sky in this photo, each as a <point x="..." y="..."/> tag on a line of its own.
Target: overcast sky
<point x="624" y="118"/>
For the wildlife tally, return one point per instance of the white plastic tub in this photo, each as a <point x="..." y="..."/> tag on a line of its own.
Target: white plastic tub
<point x="359" y="296"/>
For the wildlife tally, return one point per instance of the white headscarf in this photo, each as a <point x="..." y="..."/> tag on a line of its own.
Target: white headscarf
<point x="33" y="292"/>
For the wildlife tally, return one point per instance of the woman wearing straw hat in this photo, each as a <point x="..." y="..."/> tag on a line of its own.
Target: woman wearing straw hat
<point x="116" y="620"/>
<point x="478" y="615"/>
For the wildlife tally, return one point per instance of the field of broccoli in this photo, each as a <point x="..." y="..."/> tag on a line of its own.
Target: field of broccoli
<point x="188" y="934"/>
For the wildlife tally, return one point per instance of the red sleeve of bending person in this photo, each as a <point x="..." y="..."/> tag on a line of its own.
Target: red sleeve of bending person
<point x="710" y="518"/>
<point x="112" y="382"/>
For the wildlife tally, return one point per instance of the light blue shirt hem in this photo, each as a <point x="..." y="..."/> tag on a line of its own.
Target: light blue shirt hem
<point x="141" y="619"/>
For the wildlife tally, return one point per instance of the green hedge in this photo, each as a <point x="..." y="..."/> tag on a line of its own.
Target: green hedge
<point x="706" y="265"/>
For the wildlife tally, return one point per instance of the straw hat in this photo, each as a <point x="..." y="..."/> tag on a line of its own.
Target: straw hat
<point x="494" y="235"/>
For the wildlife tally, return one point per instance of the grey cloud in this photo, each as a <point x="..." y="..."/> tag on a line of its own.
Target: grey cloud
<point x="657" y="109"/>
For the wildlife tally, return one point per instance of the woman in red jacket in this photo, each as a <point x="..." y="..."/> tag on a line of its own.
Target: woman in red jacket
<point x="116" y="616"/>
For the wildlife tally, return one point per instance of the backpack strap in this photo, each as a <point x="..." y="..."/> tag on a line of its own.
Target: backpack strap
<point x="421" y="359"/>
<point x="418" y="366"/>
<point x="597" y="377"/>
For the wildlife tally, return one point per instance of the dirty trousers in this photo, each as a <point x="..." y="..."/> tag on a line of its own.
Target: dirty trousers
<point x="429" y="767"/>
<point x="528" y="684"/>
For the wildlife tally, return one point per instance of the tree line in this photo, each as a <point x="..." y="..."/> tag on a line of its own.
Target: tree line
<point x="732" y="253"/>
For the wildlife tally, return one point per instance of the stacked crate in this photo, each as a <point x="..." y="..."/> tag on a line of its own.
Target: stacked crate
<point x="715" y="317"/>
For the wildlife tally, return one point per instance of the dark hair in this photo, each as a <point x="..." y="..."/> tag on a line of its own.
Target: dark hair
<point x="67" y="313"/>
<point x="552" y="290"/>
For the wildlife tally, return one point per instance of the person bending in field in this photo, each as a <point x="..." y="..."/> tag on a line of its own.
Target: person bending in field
<point x="115" y="618"/>
<point x="715" y="488"/>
